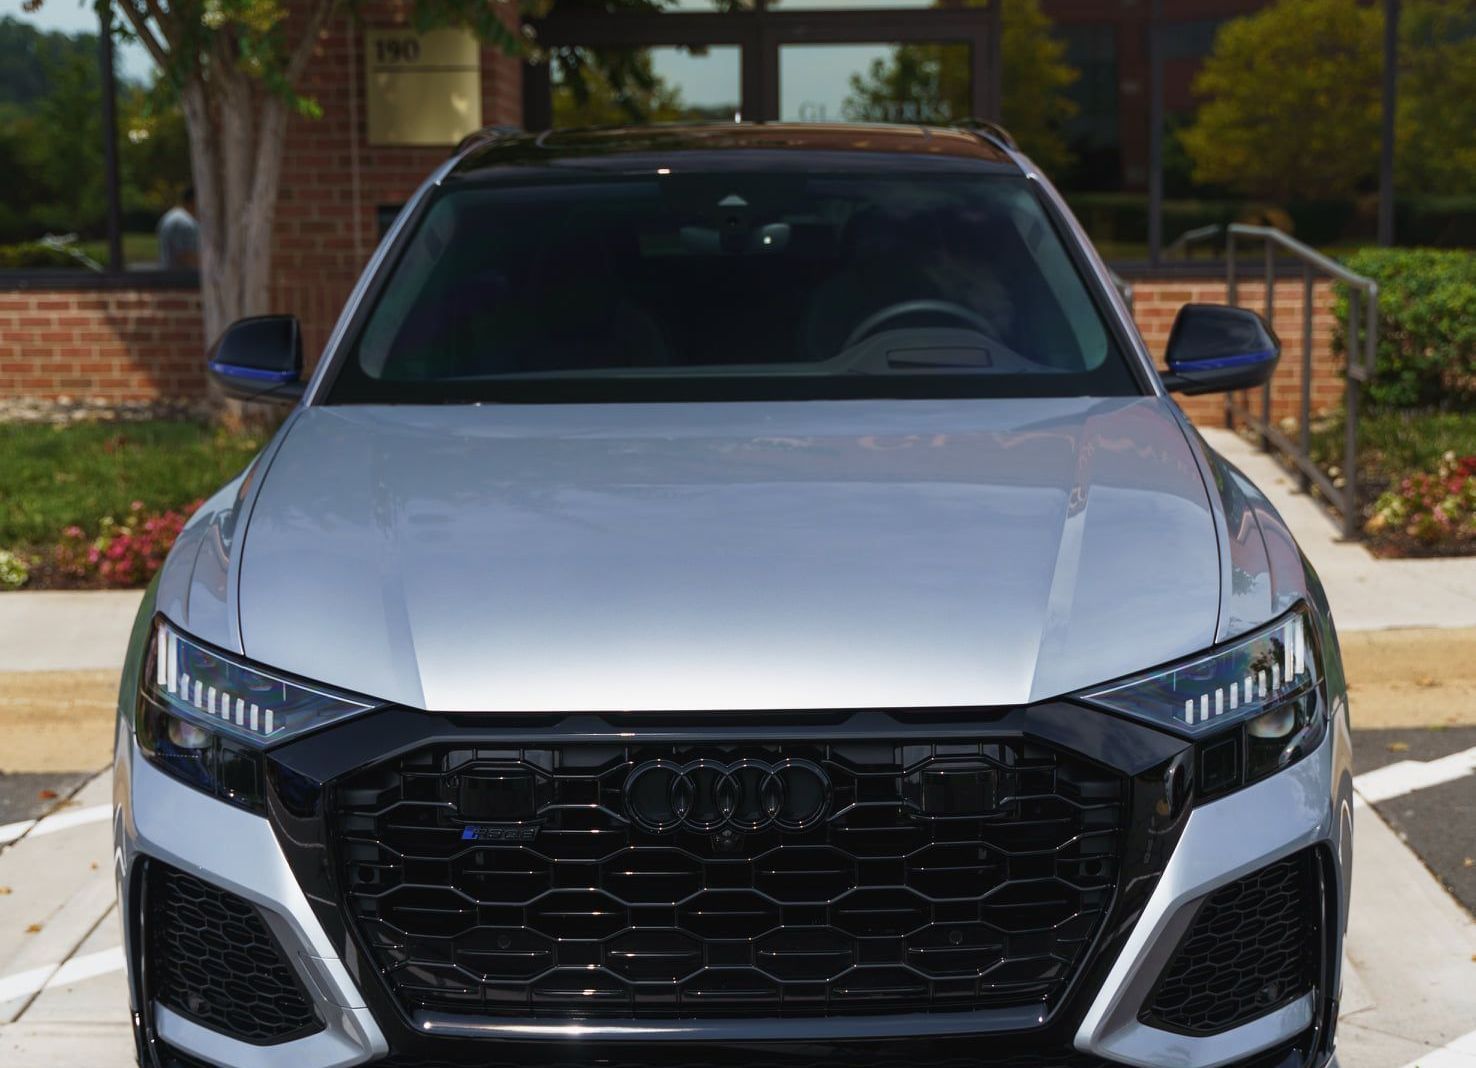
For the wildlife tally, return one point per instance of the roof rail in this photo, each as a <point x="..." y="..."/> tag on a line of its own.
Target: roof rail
<point x="495" y="132"/>
<point x="989" y="129"/>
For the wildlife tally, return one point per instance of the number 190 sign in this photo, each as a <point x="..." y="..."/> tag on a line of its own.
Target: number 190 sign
<point x="422" y="88"/>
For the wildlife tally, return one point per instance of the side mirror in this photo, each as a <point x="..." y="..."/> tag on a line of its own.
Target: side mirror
<point x="1214" y="348"/>
<point x="259" y="359"/>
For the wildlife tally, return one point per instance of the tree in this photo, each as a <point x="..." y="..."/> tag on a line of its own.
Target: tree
<point x="929" y="82"/>
<point x="236" y="66"/>
<point x="1292" y="102"/>
<point x="1436" y="146"/>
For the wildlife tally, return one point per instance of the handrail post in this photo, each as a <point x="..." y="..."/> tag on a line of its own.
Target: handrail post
<point x="1304" y="435"/>
<point x="1350" y="423"/>
<point x="1230" y="299"/>
<point x="1270" y="302"/>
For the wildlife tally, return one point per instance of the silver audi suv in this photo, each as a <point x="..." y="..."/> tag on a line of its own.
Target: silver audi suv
<point x="730" y="595"/>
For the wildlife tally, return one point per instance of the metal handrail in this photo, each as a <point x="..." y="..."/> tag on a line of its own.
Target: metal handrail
<point x="1362" y="346"/>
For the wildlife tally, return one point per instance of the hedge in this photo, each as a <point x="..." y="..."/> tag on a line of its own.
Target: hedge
<point x="1427" y="327"/>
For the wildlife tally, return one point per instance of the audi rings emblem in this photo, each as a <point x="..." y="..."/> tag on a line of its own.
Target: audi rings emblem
<point x="709" y="795"/>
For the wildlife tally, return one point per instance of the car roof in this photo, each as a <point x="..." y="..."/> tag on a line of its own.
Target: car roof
<point x="781" y="144"/>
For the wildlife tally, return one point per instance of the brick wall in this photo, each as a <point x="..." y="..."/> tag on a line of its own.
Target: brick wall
<point x="1156" y="302"/>
<point x="333" y="181"/>
<point x="112" y="344"/>
<point x="145" y="344"/>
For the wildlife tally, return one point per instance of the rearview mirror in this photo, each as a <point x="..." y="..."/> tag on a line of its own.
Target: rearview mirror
<point x="1214" y="348"/>
<point x="259" y="359"/>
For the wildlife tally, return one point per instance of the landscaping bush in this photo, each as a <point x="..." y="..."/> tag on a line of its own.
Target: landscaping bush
<point x="1433" y="508"/>
<point x="14" y="571"/>
<point x="34" y="255"/>
<point x="1427" y="327"/>
<point x="122" y="555"/>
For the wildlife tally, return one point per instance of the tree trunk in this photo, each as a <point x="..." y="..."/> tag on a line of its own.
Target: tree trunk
<point x="236" y="133"/>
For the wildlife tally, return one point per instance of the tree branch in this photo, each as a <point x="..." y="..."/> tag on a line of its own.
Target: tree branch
<point x="161" y="20"/>
<point x="139" y="22"/>
<point x="303" y="51"/>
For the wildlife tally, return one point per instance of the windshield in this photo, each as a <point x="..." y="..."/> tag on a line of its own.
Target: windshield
<point x="730" y="286"/>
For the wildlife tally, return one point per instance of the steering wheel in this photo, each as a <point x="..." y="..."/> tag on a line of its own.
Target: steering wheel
<point x="876" y="319"/>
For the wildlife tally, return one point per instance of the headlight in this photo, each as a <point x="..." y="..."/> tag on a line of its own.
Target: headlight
<point x="205" y="717"/>
<point x="1253" y="705"/>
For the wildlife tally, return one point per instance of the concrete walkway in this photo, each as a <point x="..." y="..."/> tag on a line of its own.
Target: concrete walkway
<point x="1366" y="593"/>
<point x="43" y="630"/>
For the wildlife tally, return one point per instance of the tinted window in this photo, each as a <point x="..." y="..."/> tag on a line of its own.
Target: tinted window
<point x="734" y="285"/>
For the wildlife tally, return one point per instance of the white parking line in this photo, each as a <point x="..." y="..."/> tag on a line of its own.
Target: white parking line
<point x="1407" y="776"/>
<point x="9" y="832"/>
<point x="60" y="821"/>
<point x="1459" y="1054"/>
<point x="87" y="966"/>
<point x="63" y="821"/>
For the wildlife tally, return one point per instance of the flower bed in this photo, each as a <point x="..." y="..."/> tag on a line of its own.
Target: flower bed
<point x="1434" y="510"/>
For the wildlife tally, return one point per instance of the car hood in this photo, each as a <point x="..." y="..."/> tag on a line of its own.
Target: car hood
<point x="729" y="556"/>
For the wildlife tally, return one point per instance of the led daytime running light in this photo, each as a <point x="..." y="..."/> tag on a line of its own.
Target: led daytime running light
<point x="1233" y="683"/>
<point x="1287" y="675"/>
<point x="226" y="695"/>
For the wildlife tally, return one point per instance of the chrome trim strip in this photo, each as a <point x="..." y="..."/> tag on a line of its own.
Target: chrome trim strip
<point x="238" y="851"/>
<point x="746" y="1029"/>
<point x="1222" y="841"/>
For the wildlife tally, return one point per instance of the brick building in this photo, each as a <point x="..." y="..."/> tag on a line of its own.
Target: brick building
<point x="382" y="88"/>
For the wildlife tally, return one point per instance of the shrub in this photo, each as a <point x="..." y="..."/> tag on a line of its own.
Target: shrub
<point x="14" y="571"/>
<point x="1431" y="507"/>
<point x="1427" y="326"/>
<point x="122" y="555"/>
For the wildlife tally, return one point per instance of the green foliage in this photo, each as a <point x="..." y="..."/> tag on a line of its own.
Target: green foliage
<point x="1036" y="78"/>
<point x="14" y="571"/>
<point x="34" y="255"/>
<point x="49" y="136"/>
<point x="1292" y="100"/>
<point x="1291" y="105"/>
<point x="1436" y="149"/>
<point x="28" y="55"/>
<point x="931" y="83"/>
<point x="53" y="477"/>
<point x="1427" y="326"/>
<point x="599" y="87"/>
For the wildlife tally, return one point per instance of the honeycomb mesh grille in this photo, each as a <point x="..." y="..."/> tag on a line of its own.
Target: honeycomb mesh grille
<point x="877" y="907"/>
<point x="213" y="960"/>
<point x="1252" y="947"/>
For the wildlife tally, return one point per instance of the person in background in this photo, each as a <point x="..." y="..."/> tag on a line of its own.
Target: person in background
<point x="179" y="235"/>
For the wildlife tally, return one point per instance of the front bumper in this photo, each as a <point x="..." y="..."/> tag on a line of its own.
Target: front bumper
<point x="1307" y="806"/>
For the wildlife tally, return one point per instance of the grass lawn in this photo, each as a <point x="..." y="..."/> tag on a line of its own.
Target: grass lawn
<point x="55" y="476"/>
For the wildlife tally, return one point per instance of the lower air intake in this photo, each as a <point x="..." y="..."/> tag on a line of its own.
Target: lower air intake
<point x="1252" y="948"/>
<point x="213" y="960"/>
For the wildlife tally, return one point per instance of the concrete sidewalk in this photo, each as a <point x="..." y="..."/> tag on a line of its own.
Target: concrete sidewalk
<point x="56" y="630"/>
<point x="1366" y="593"/>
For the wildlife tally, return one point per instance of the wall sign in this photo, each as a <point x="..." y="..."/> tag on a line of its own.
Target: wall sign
<point x="423" y="88"/>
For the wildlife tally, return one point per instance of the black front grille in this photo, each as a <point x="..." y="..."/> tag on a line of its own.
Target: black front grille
<point x="934" y="877"/>
<point x="212" y="959"/>
<point x="1253" y="947"/>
